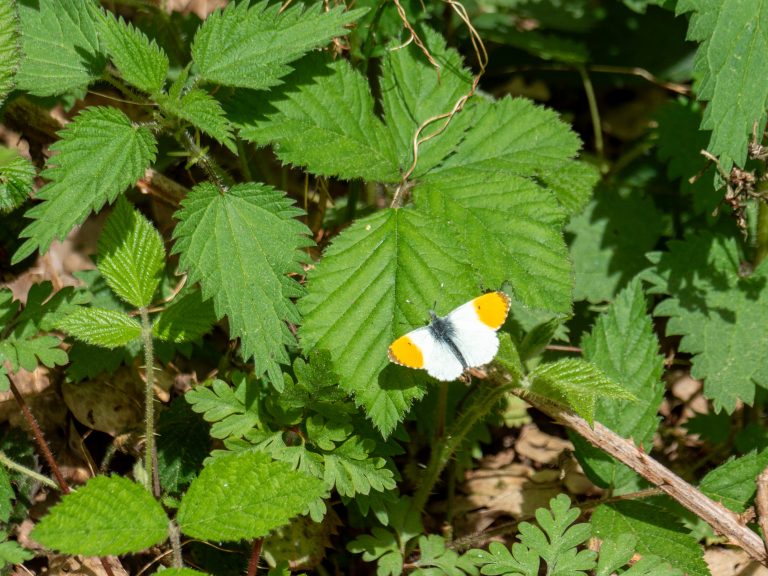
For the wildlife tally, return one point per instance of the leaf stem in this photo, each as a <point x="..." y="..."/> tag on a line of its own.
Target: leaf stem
<point x="149" y="395"/>
<point x="8" y="463"/>
<point x="594" y="113"/>
<point x="175" y="537"/>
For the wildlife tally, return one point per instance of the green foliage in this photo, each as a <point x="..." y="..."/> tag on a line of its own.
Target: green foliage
<point x="186" y="319"/>
<point x="232" y="412"/>
<point x="62" y="48"/>
<point x="554" y="542"/>
<point x="180" y="572"/>
<point x="623" y="345"/>
<point x="244" y="495"/>
<point x="100" y="154"/>
<point x="576" y="384"/>
<point x="12" y="553"/>
<point x="101" y="327"/>
<point x="252" y="46"/>
<point x="16" y="177"/>
<point x="201" y="110"/>
<point x="716" y="311"/>
<point x="182" y="445"/>
<point x="733" y="483"/>
<point x="10" y="53"/>
<point x="618" y="551"/>
<point x="131" y="255"/>
<point x="730" y="71"/>
<point x="109" y="515"/>
<point x="656" y="532"/>
<point x="243" y="265"/>
<point x="437" y="560"/>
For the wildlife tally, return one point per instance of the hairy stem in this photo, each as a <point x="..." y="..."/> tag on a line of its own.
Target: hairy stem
<point x="8" y="463"/>
<point x="174" y="535"/>
<point x="149" y="395"/>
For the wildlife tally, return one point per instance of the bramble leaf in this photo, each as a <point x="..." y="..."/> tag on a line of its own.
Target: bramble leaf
<point x="734" y="483"/>
<point x="17" y="175"/>
<point x="101" y="327"/>
<point x="10" y="51"/>
<point x="623" y="345"/>
<point x="109" y="515"/>
<point x="186" y="319"/>
<point x="61" y="46"/>
<point x="240" y="245"/>
<point x="251" y="46"/>
<point x="131" y="254"/>
<point x="100" y="154"/>
<point x="244" y="496"/>
<point x="731" y="72"/>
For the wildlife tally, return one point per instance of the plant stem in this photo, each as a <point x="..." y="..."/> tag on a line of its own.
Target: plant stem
<point x="594" y="114"/>
<point x="149" y="395"/>
<point x="253" y="561"/>
<point x="762" y="232"/>
<point x="8" y="463"/>
<point x="483" y="401"/>
<point x="175" y="537"/>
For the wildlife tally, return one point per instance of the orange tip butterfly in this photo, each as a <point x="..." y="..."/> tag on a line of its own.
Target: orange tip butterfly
<point x="464" y="338"/>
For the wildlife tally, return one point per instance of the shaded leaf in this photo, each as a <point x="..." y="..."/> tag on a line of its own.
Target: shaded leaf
<point x="101" y="327"/>
<point x="10" y="52"/>
<point x="17" y="175"/>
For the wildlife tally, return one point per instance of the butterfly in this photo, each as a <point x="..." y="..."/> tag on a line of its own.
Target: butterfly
<point x="451" y="344"/>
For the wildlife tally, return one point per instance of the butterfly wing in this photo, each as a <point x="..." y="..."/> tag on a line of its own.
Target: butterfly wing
<point x="420" y="349"/>
<point x="475" y="324"/>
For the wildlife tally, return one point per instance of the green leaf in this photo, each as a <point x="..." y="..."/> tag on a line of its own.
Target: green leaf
<point x="624" y="346"/>
<point x="141" y="62"/>
<point x="101" y="327"/>
<point x="131" y="254"/>
<point x="392" y="266"/>
<point x="381" y="546"/>
<point x="576" y="384"/>
<point x="498" y="559"/>
<point x="240" y="245"/>
<point x="182" y="445"/>
<point x="10" y="51"/>
<point x="100" y="154"/>
<point x="17" y="174"/>
<point x="179" y="572"/>
<point x="233" y="412"/>
<point x="734" y="483"/>
<point x="731" y="71"/>
<point x="438" y="560"/>
<point x="12" y="553"/>
<point x="203" y="111"/>
<point x="610" y="239"/>
<point x="7" y="495"/>
<point x="511" y="231"/>
<point x="61" y="46"/>
<point x="615" y="552"/>
<point x="323" y="119"/>
<point x="656" y="532"/>
<point x="44" y="350"/>
<point x="251" y="46"/>
<point x="720" y="315"/>
<point x="244" y="496"/>
<point x="109" y="515"/>
<point x="45" y="308"/>
<point x="352" y="470"/>
<point x="186" y="319"/>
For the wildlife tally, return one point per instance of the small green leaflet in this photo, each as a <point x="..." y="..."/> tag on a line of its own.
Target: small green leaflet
<point x="26" y="353"/>
<point x="251" y="46"/>
<point x="61" y="46"/>
<point x="437" y="559"/>
<point x="101" y="327"/>
<point x="623" y="345"/>
<point x="241" y="245"/>
<point x="100" y="154"/>
<point x="131" y="255"/>
<point x="720" y="315"/>
<point x="232" y="411"/>
<point x="109" y="515"/>
<point x="12" y="553"/>
<point x="731" y="71"/>
<point x="244" y="496"/>
<point x="734" y="483"/>
<point x="10" y="51"/>
<point x="16" y="177"/>
<point x="203" y="111"/>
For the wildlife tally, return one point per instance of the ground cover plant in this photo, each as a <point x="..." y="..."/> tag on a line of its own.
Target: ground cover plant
<point x="215" y="218"/>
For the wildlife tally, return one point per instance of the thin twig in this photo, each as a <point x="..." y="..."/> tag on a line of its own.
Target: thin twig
<point x="761" y="503"/>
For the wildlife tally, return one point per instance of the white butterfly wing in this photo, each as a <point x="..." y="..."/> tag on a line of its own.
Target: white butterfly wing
<point x="439" y="361"/>
<point x="477" y="342"/>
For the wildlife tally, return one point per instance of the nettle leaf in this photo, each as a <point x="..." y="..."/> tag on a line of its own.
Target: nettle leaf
<point x="10" y="51"/>
<point x="251" y="46"/>
<point x="576" y="384"/>
<point x="511" y="231"/>
<point x="109" y="515"/>
<point x="101" y="327"/>
<point x="323" y="119"/>
<point x="141" y="62"/>
<point x="183" y="442"/>
<point x="391" y="265"/>
<point x="186" y="319"/>
<point x="131" y="254"/>
<point x="61" y="46"/>
<point x="17" y="174"/>
<point x="202" y="111"/>
<point x="232" y="411"/>
<point x="720" y="315"/>
<point x="624" y="346"/>
<point x="240" y="245"/>
<point x="100" y="154"/>
<point x="656" y="533"/>
<point x="610" y="239"/>
<point x="244" y="496"/>
<point x="734" y="483"/>
<point x="731" y="72"/>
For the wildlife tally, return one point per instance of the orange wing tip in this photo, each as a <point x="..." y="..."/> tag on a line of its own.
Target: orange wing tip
<point x="492" y="309"/>
<point x="403" y="351"/>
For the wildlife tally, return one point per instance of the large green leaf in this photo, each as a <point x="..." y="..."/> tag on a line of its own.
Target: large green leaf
<point x="734" y="483"/>
<point x="109" y="515"/>
<point x="731" y="71"/>
<point x="101" y="327"/>
<point x="251" y="46"/>
<point x="623" y="345"/>
<point x="131" y="255"/>
<point x="244" y="496"/>
<point x="240" y="245"/>
<point x="720" y="315"/>
<point x="10" y="52"/>
<point x="100" y="154"/>
<point x="377" y="281"/>
<point x="61" y="46"/>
